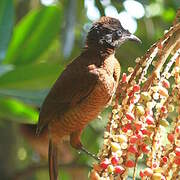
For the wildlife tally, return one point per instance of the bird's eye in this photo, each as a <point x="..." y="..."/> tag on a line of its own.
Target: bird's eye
<point x="119" y="33"/>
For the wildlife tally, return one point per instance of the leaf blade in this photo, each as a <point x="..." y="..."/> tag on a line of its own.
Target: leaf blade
<point x="17" y="111"/>
<point x="33" y="35"/>
<point x="31" y="77"/>
<point x="6" y="25"/>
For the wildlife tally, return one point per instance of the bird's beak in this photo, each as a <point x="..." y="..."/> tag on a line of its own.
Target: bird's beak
<point x="125" y="35"/>
<point x="132" y="37"/>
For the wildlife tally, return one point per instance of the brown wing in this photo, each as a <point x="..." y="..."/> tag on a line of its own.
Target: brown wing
<point x="75" y="84"/>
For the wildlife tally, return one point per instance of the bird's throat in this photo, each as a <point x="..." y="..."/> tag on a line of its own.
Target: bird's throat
<point x="102" y="51"/>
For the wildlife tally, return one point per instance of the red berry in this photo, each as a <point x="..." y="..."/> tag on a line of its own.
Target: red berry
<point x="114" y="160"/>
<point x="148" y="172"/>
<point x="171" y="137"/>
<point x="145" y="131"/>
<point x="177" y="151"/>
<point x="124" y="129"/>
<point x="104" y="164"/>
<point x="149" y="120"/>
<point x="119" y="170"/>
<point x="139" y="135"/>
<point x="130" y="163"/>
<point x="165" y="159"/>
<point x="132" y="149"/>
<point x="141" y="174"/>
<point x="130" y="116"/>
<point x="124" y="78"/>
<point x="159" y="45"/>
<point x="166" y="84"/>
<point x="178" y="129"/>
<point x="128" y="126"/>
<point x="130" y="93"/>
<point x="163" y="109"/>
<point x="154" y="165"/>
<point x="133" y="99"/>
<point x="145" y="149"/>
<point x="136" y="88"/>
<point x="138" y="126"/>
<point x="177" y="161"/>
<point x="133" y="139"/>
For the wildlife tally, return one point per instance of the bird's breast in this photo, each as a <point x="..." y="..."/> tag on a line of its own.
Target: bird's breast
<point x="98" y="99"/>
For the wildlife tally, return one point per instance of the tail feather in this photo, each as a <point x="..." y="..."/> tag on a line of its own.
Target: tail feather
<point x="53" y="161"/>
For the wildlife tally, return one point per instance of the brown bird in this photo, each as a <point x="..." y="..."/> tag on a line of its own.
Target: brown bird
<point x="84" y="88"/>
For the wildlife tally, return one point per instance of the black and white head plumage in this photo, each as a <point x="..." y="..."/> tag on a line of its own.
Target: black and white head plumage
<point x="108" y="32"/>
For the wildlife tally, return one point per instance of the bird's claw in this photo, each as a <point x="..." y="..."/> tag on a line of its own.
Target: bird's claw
<point x="90" y="154"/>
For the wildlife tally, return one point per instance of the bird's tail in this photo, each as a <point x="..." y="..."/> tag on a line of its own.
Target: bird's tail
<point x="53" y="160"/>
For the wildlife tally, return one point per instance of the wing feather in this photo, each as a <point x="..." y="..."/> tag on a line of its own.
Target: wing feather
<point x="73" y="86"/>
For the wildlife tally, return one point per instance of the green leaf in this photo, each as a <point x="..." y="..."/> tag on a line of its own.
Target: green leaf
<point x="31" y="77"/>
<point x="31" y="97"/>
<point x="33" y="35"/>
<point x="169" y="14"/>
<point x="6" y="25"/>
<point x="17" y="111"/>
<point x="5" y="68"/>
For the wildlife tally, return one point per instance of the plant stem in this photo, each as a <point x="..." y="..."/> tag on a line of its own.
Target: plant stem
<point x="135" y="168"/>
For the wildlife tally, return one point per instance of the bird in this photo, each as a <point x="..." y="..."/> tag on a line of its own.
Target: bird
<point x="85" y="87"/>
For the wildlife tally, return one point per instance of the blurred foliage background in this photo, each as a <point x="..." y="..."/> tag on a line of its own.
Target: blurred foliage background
<point x="37" y="40"/>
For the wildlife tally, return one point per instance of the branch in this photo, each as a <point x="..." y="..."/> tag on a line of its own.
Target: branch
<point x="100" y="7"/>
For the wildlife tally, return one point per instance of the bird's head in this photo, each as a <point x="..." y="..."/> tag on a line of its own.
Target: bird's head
<point x="108" y="32"/>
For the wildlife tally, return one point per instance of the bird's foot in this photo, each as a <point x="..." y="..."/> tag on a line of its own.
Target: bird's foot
<point x="76" y="143"/>
<point x="89" y="153"/>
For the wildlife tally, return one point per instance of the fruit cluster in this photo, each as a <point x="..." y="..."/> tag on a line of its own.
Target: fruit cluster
<point x="144" y="127"/>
